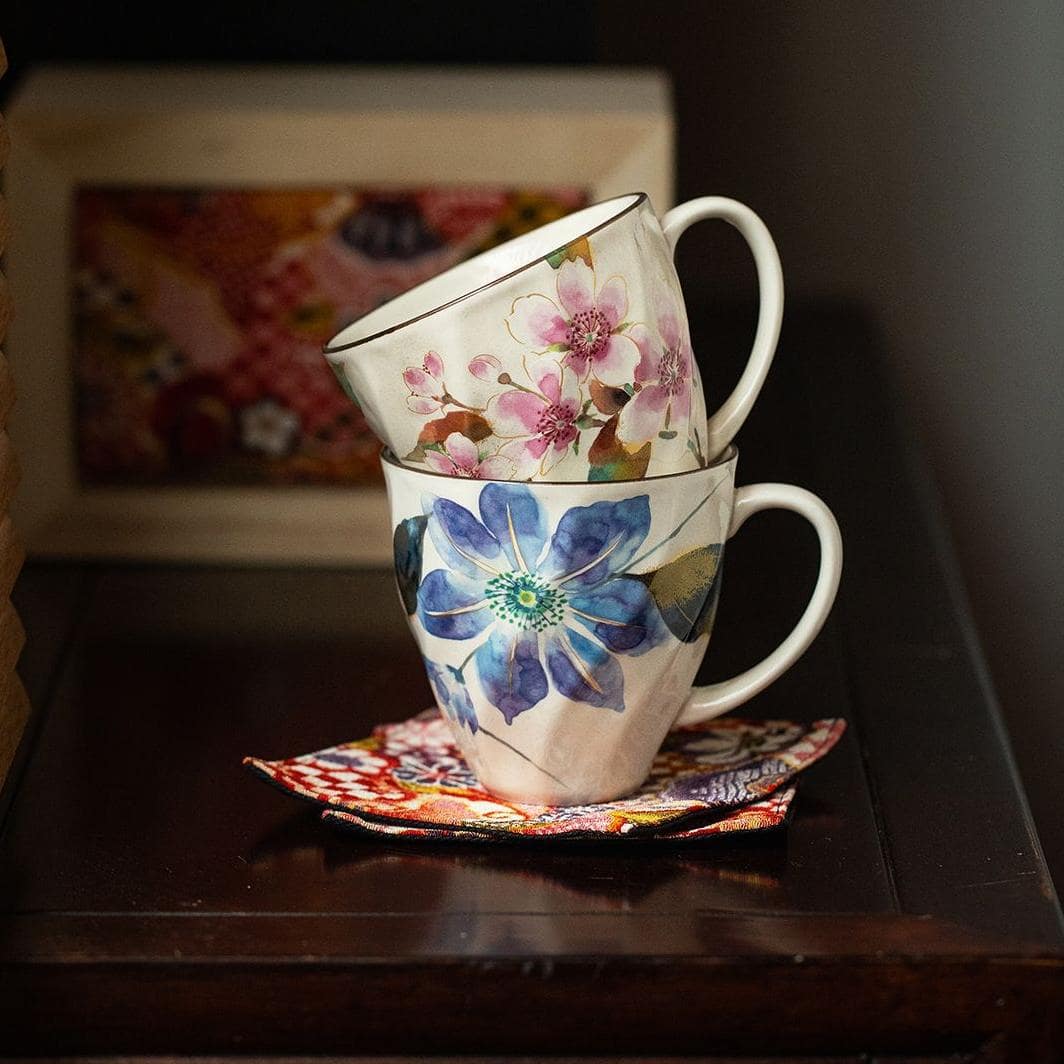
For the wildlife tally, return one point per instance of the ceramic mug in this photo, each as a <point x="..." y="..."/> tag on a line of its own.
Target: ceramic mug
<point x="561" y="355"/>
<point x="562" y="624"/>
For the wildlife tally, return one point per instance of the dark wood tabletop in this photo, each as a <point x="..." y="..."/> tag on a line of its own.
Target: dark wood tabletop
<point x="155" y="898"/>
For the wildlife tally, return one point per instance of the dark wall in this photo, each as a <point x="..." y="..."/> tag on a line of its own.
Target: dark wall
<point x="402" y="31"/>
<point x="906" y="157"/>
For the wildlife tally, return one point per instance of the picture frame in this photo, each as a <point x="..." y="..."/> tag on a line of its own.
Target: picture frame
<point x="610" y="131"/>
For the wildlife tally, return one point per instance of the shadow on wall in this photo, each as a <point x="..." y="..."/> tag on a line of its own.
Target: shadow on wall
<point x="911" y="161"/>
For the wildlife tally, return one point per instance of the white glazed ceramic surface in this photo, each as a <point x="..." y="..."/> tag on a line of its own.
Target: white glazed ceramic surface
<point x="562" y="355"/>
<point x="562" y="624"/>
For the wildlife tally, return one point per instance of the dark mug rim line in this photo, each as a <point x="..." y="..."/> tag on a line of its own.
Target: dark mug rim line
<point x="727" y="456"/>
<point x="637" y="198"/>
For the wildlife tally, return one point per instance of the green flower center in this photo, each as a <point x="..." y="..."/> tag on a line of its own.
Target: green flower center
<point x="525" y="601"/>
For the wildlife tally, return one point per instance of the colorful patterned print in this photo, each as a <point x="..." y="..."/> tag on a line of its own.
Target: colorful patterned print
<point x="757" y="816"/>
<point x="200" y="315"/>
<point x="410" y="780"/>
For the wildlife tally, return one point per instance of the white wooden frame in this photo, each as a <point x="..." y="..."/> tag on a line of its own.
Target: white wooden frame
<point x="610" y="131"/>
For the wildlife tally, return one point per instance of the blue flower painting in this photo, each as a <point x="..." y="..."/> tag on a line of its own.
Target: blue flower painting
<point x="550" y="610"/>
<point x="451" y="695"/>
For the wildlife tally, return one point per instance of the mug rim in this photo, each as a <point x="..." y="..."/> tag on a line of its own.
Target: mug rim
<point x="637" y="200"/>
<point x="728" y="455"/>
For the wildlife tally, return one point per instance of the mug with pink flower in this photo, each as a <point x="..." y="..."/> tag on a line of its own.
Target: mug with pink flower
<point x="562" y="355"/>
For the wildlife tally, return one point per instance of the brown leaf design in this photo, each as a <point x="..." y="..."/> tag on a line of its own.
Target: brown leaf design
<point x="686" y="591"/>
<point x="578" y="249"/>
<point x="465" y="422"/>
<point x="609" y="460"/>
<point x="607" y="400"/>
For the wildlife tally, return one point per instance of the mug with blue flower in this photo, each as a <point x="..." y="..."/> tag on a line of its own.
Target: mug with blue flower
<point x="562" y="623"/>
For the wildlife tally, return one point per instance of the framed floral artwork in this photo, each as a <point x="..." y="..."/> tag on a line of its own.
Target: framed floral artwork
<point x="188" y="239"/>
<point x="199" y="317"/>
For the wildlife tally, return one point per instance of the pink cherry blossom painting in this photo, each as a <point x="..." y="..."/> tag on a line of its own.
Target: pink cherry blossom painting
<point x="199" y="315"/>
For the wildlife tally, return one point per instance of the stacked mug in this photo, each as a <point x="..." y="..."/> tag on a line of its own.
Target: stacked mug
<point x="560" y="500"/>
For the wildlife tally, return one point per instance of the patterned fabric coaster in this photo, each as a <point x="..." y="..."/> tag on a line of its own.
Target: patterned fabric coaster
<point x="758" y="816"/>
<point x="408" y="780"/>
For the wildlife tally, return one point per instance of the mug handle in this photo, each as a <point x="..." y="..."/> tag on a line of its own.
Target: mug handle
<point x="710" y="701"/>
<point x="727" y="421"/>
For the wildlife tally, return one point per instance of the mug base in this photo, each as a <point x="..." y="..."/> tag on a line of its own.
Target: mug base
<point x="529" y="791"/>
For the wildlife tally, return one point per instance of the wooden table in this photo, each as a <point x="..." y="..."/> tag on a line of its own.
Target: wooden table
<point x="154" y="898"/>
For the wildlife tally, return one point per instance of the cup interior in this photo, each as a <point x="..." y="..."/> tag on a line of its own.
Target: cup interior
<point x="488" y="268"/>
